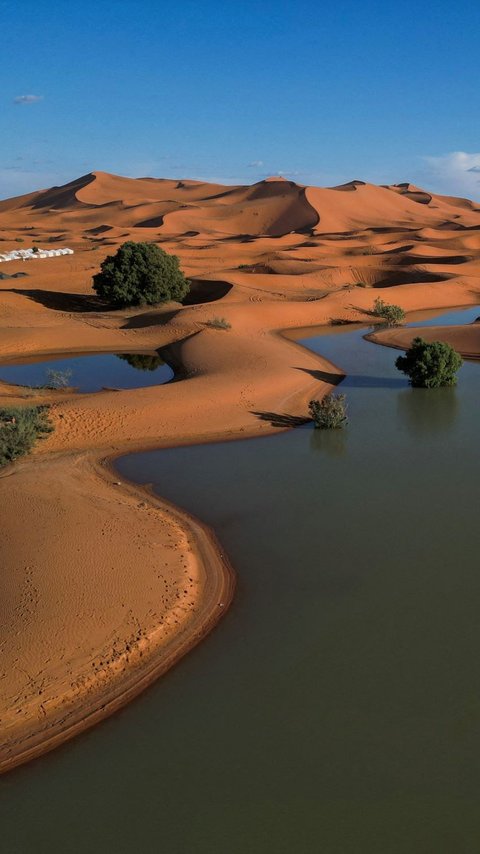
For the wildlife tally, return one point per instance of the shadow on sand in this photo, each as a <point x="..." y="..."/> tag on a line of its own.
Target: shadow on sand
<point x="60" y="301"/>
<point x="279" y="419"/>
<point x="323" y="376"/>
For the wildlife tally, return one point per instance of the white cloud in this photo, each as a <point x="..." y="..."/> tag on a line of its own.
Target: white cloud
<point x="455" y="173"/>
<point x="255" y="164"/>
<point x="27" y="99"/>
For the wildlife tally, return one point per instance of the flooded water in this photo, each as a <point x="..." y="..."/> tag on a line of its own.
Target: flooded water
<point x="89" y="372"/>
<point x="336" y="708"/>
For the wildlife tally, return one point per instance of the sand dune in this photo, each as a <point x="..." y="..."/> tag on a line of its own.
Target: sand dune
<point x="268" y="257"/>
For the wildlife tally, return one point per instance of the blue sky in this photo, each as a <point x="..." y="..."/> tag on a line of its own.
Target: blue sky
<point x="321" y="92"/>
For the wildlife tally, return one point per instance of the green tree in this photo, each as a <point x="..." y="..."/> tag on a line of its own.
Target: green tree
<point x="430" y="364"/>
<point x="140" y="274"/>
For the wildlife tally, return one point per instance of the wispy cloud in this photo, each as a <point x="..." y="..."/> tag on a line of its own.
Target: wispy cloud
<point x="255" y="164"/>
<point x="455" y="173"/>
<point x="27" y="99"/>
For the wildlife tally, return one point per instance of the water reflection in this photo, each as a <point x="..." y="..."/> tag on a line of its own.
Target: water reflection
<point x="142" y="361"/>
<point x="330" y="442"/>
<point x="426" y="411"/>
<point x="366" y="381"/>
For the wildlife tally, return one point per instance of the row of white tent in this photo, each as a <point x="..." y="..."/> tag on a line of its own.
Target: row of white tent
<point x="30" y="254"/>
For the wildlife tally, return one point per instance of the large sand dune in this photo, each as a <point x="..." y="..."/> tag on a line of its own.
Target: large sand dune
<point x="93" y="603"/>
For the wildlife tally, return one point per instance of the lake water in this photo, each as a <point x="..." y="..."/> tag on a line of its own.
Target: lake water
<point x="336" y="708"/>
<point x="90" y="372"/>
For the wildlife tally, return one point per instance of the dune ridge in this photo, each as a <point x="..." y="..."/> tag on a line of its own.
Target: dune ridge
<point x="269" y="257"/>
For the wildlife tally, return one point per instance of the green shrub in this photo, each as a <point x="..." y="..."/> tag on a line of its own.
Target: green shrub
<point x="330" y="412"/>
<point x="430" y="364"/>
<point x="140" y="274"/>
<point x="20" y="429"/>
<point x="219" y="323"/>
<point x="391" y="314"/>
<point x="19" y="240"/>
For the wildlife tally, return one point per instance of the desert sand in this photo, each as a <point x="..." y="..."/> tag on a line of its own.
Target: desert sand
<point x="104" y="586"/>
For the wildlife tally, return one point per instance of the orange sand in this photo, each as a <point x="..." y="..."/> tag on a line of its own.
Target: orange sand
<point x="105" y="586"/>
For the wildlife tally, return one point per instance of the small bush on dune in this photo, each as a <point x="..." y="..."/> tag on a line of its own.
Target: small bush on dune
<point x="20" y="429"/>
<point x="219" y="323"/>
<point x="430" y="364"/>
<point x="391" y="314"/>
<point x="330" y="412"/>
<point x="140" y="274"/>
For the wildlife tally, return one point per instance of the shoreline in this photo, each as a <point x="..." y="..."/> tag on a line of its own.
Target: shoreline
<point x="62" y="722"/>
<point x="217" y="596"/>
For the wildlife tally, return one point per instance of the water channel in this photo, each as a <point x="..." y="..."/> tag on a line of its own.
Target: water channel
<point x="88" y="372"/>
<point x="336" y="708"/>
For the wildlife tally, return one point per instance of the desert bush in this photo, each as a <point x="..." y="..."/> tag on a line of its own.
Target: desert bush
<point x="219" y="323"/>
<point x="142" y="361"/>
<point x="430" y="364"/>
<point x="330" y="412"/>
<point x="19" y="240"/>
<point x="140" y="274"/>
<point x="58" y="379"/>
<point x="20" y="429"/>
<point x="391" y="314"/>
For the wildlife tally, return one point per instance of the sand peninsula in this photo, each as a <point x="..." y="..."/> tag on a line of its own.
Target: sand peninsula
<point x="104" y="585"/>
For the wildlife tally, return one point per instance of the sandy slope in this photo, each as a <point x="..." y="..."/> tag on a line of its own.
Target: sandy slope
<point x="104" y="567"/>
<point x="465" y="339"/>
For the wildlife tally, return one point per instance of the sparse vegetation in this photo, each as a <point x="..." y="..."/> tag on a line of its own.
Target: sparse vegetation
<point x="142" y="361"/>
<point x="58" y="379"/>
<point x="20" y="429"/>
<point x="140" y="274"/>
<point x="19" y="240"/>
<point x="430" y="364"/>
<point x="330" y="412"/>
<point x="219" y="323"/>
<point x="393" y="315"/>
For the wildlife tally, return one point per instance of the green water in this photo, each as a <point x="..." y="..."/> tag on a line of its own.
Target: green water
<point x="336" y="708"/>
